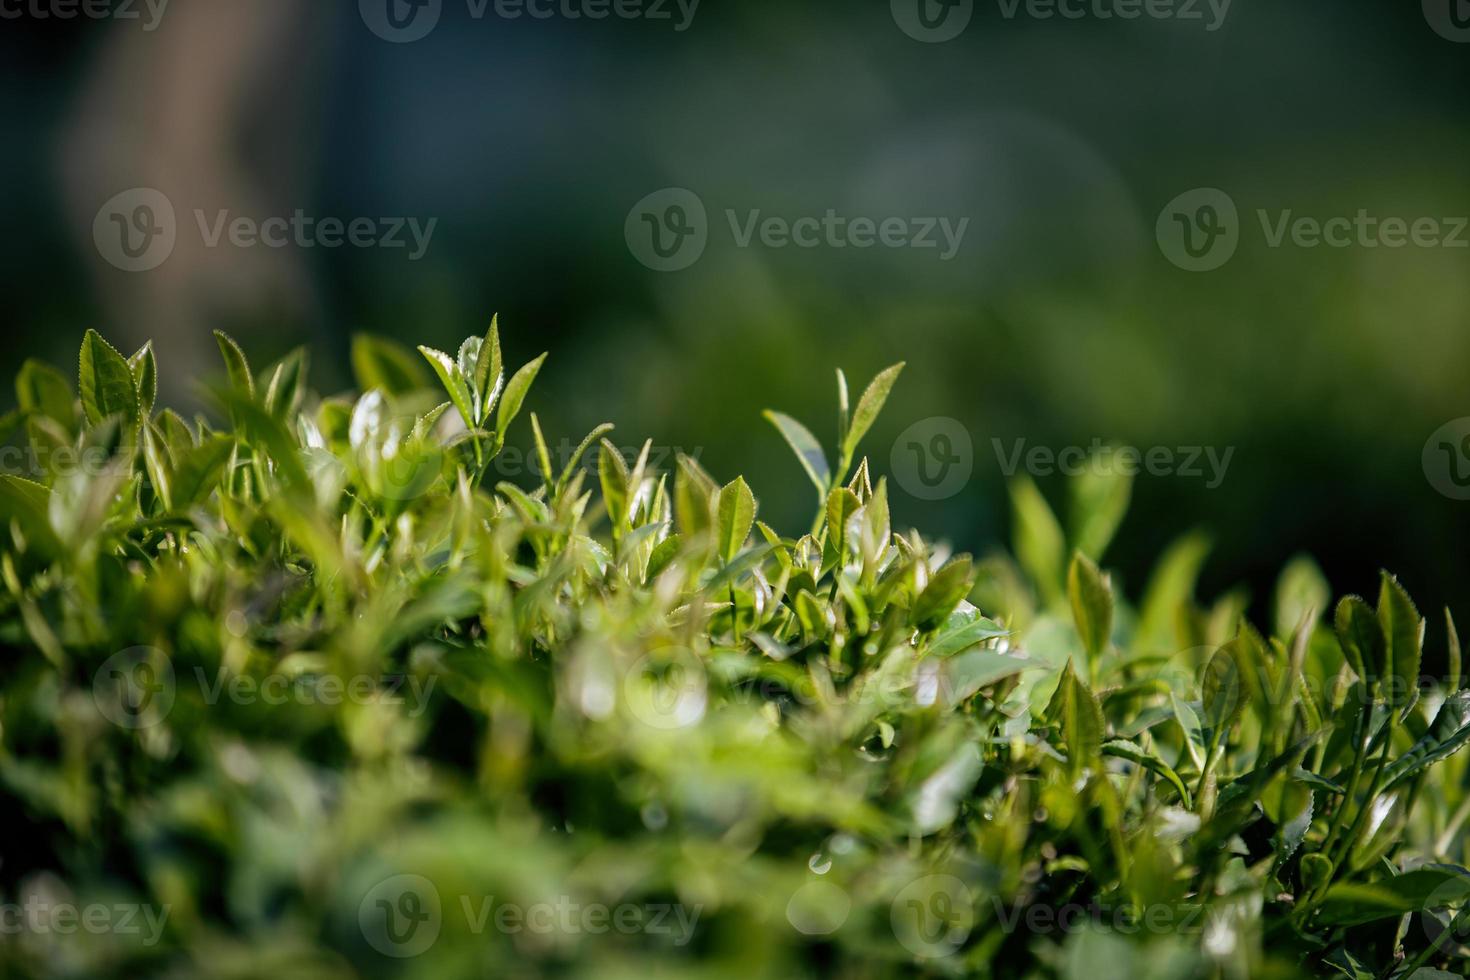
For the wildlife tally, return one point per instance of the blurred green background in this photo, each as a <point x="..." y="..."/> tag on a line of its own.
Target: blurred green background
<point x="1059" y="321"/>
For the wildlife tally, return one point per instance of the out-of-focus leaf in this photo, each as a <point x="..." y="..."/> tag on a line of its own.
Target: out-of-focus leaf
<point x="1299" y="588"/>
<point x="386" y="365"/>
<point x="1099" y="498"/>
<point x="1091" y="595"/>
<point x="1351" y="903"/>
<point x="1039" y="543"/>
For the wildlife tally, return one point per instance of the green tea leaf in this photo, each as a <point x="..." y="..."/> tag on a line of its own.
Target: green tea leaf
<point x="1224" y="691"/>
<point x="1403" y="634"/>
<point x="842" y="503"/>
<point x="946" y="589"/>
<point x="804" y="444"/>
<point x="42" y="389"/>
<point x="868" y="407"/>
<point x="515" y="395"/>
<point x="1446" y="736"/>
<point x="737" y="514"/>
<point x="1123" y="749"/>
<point x="236" y="366"/>
<point x="612" y="474"/>
<point x="1039" y="543"/>
<point x="1170" y="592"/>
<point x="386" y="365"/>
<point x="950" y="641"/>
<point x="1431" y="885"/>
<point x="1452" y="653"/>
<point x="1091" y="595"/>
<point x="1361" y="637"/>
<point x="145" y="377"/>
<point x="106" y="382"/>
<point x="1082" y="723"/>
<point x="1099" y="498"/>
<point x="489" y="370"/>
<point x="453" y="382"/>
<point x="1299" y="588"/>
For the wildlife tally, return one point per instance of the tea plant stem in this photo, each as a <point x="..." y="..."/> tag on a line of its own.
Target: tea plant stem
<point x="1356" y="830"/>
<point x="1350" y="791"/>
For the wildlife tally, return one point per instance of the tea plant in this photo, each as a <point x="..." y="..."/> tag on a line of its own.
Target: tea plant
<point x="307" y="689"/>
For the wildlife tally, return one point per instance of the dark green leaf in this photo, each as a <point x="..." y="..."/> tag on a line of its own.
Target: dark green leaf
<point x="106" y="382"/>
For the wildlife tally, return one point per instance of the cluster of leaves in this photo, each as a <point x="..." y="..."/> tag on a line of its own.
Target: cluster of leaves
<point x="619" y="687"/>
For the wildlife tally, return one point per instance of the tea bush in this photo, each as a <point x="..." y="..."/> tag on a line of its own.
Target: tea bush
<point x="308" y="690"/>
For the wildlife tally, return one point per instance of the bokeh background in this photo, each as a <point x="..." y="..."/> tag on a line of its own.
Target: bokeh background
<point x="1059" y="321"/>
